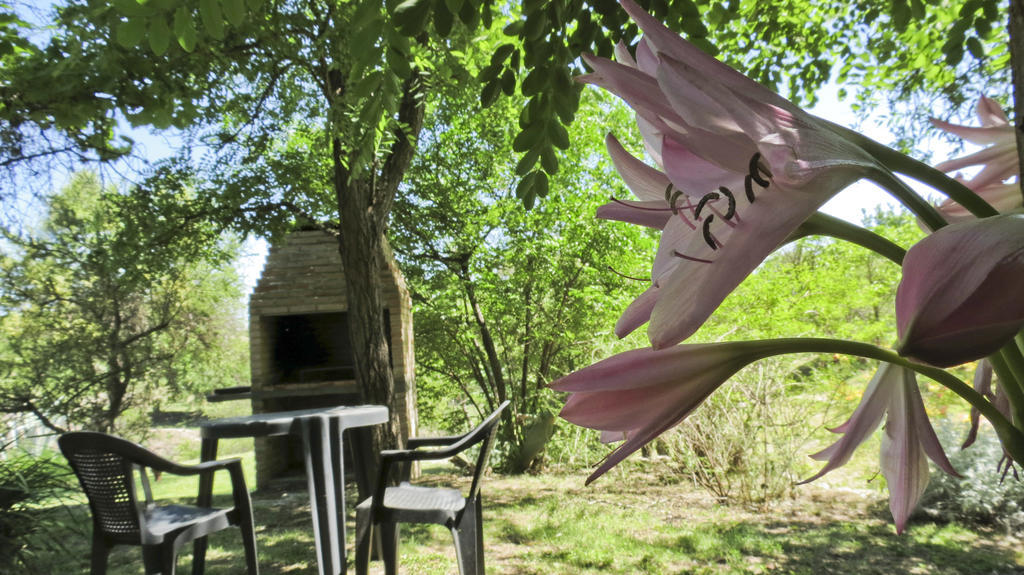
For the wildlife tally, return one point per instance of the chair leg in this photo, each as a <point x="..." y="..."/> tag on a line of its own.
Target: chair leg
<point x="479" y="509"/>
<point x="389" y="546"/>
<point x="199" y="556"/>
<point x="159" y="559"/>
<point x="249" y="543"/>
<point x="100" y="551"/>
<point x="364" y="533"/>
<point x="467" y="550"/>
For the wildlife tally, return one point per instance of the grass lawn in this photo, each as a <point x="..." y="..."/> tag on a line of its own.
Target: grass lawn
<point x="628" y="522"/>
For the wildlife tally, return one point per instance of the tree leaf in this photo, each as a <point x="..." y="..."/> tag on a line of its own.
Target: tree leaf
<point x="129" y="34"/>
<point x="234" y="10"/>
<point x="975" y="47"/>
<point x="213" y="22"/>
<point x="411" y="16"/>
<point x="558" y="135"/>
<point x="489" y="93"/>
<point x="159" y="36"/>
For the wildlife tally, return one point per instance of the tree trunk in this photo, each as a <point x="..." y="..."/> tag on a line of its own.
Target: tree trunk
<point x="1016" y="30"/>
<point x="363" y="248"/>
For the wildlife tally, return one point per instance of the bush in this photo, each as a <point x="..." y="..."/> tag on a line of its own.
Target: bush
<point x="748" y="441"/>
<point x="985" y="495"/>
<point x="27" y="485"/>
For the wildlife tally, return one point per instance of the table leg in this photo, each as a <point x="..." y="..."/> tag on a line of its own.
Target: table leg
<point x="316" y="443"/>
<point x="207" y="452"/>
<point x="338" y="468"/>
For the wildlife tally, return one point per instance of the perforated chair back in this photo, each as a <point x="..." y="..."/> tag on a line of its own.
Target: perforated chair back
<point x="107" y="479"/>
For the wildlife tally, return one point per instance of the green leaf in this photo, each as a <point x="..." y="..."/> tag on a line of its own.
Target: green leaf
<point x="528" y="138"/>
<point x="188" y="38"/>
<point x="508" y="82"/>
<point x="489" y="72"/>
<point x="368" y="84"/>
<point x="535" y="82"/>
<point x="557" y="134"/>
<point x="540" y="184"/>
<point x="234" y="10"/>
<point x="399" y="63"/>
<point x="502" y="53"/>
<point x="254" y="5"/>
<point x="527" y="162"/>
<point x="453" y="5"/>
<point x="549" y="160"/>
<point x="159" y="36"/>
<point x="489" y="93"/>
<point x="213" y="22"/>
<point x="525" y="189"/>
<point x="900" y="15"/>
<point x="469" y="15"/>
<point x="411" y="16"/>
<point x="443" y="19"/>
<point x="513" y="29"/>
<point x="975" y="48"/>
<point x="129" y="34"/>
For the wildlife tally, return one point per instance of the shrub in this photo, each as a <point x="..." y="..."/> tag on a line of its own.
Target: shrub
<point x="27" y="484"/>
<point x="985" y="495"/>
<point x="748" y="441"/>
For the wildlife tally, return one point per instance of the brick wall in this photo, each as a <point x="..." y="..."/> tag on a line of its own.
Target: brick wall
<point x="303" y="275"/>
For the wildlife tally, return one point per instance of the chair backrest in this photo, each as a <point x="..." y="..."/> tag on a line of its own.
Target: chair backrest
<point x="104" y="466"/>
<point x="484" y="434"/>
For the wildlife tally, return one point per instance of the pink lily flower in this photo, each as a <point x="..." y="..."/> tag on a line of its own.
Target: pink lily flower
<point x="907" y="440"/>
<point x="998" y="161"/>
<point x="639" y="394"/>
<point x="983" y="385"/>
<point x="741" y="169"/>
<point x="959" y="298"/>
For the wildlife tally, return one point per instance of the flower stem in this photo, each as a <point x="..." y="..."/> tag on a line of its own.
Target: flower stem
<point x="909" y="198"/>
<point x="921" y="172"/>
<point x="1011" y="438"/>
<point x="1014" y="378"/>
<point x="1010" y="386"/>
<point x="825" y="225"/>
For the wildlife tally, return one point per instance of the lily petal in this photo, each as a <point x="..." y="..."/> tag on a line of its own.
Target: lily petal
<point x="952" y="304"/>
<point x="644" y="392"/>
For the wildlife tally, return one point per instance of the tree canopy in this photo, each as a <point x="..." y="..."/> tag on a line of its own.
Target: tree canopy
<point x="110" y="304"/>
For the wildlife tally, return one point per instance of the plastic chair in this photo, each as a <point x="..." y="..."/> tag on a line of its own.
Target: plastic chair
<point x="106" y="465"/>
<point x="378" y="516"/>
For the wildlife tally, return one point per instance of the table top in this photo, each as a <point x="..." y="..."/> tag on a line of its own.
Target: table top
<point x="285" y="422"/>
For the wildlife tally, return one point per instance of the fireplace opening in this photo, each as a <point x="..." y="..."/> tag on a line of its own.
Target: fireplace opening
<point x="312" y="348"/>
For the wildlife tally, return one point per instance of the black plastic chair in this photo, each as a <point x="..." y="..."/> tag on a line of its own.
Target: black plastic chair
<point x="106" y="466"/>
<point x="378" y="516"/>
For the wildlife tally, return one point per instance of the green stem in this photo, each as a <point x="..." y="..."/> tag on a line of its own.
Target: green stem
<point x="909" y="198"/>
<point x="1011" y="354"/>
<point x="1009" y="385"/>
<point x="821" y="224"/>
<point x="921" y="172"/>
<point x="1011" y="438"/>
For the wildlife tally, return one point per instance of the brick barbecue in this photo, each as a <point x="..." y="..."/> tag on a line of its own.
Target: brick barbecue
<point x="300" y="354"/>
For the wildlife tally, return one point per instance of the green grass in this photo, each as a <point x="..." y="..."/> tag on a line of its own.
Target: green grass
<point x="631" y="521"/>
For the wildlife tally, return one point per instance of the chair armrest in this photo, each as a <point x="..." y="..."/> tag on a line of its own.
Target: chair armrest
<point x="171" y="467"/>
<point x="416" y="442"/>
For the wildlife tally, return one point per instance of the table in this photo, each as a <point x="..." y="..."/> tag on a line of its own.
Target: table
<point x="321" y="431"/>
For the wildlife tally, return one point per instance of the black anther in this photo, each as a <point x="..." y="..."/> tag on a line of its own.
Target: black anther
<point x="707" y="232"/>
<point x="672" y="202"/>
<point x="748" y="187"/>
<point x="731" y="211"/>
<point x="756" y="170"/>
<point x="708" y="197"/>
